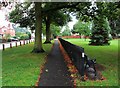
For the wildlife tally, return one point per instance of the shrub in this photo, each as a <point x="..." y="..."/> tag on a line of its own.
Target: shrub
<point x="24" y="37"/>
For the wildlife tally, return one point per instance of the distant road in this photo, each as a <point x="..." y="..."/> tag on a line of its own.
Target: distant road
<point x="7" y="45"/>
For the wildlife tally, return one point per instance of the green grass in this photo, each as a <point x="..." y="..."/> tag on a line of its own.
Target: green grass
<point x="20" y="67"/>
<point x="106" y="56"/>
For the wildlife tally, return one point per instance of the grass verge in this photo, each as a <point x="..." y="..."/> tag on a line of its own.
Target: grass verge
<point x="106" y="56"/>
<point x="20" y="67"/>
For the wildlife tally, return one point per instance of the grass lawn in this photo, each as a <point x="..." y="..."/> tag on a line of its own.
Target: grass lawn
<point x="106" y="56"/>
<point x="20" y="67"/>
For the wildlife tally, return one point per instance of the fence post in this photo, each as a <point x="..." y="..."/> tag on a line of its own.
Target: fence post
<point x="20" y="43"/>
<point x="3" y="47"/>
<point x="16" y="44"/>
<point x="10" y="45"/>
<point x="83" y="54"/>
<point x="82" y="64"/>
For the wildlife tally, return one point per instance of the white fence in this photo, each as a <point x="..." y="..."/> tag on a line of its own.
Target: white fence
<point x="3" y="46"/>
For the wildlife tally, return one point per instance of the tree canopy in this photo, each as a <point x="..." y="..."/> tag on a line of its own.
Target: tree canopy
<point x="82" y="28"/>
<point x="26" y="15"/>
<point x="66" y="31"/>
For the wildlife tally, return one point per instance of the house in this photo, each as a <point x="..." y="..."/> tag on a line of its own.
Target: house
<point x="6" y="27"/>
<point x="4" y="30"/>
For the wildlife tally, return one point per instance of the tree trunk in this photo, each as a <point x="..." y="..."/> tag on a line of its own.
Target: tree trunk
<point x="48" y="33"/>
<point x="38" y="29"/>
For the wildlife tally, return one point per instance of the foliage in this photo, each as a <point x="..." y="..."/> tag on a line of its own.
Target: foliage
<point x="27" y="16"/>
<point x="115" y="26"/>
<point x="55" y="30"/>
<point x="7" y="36"/>
<point x="23" y="15"/>
<point x="24" y="36"/>
<point x="43" y="28"/>
<point x="60" y="18"/>
<point x="66" y="31"/>
<point x="109" y="10"/>
<point x="101" y="28"/>
<point x="100" y="31"/>
<point x="22" y="33"/>
<point x="82" y="28"/>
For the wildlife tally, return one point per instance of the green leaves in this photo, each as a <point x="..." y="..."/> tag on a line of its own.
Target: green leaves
<point x="67" y="31"/>
<point x="59" y="18"/>
<point x="100" y="31"/>
<point x="82" y="28"/>
<point x="55" y="30"/>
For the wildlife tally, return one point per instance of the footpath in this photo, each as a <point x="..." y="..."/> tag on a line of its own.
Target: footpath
<point x="55" y="72"/>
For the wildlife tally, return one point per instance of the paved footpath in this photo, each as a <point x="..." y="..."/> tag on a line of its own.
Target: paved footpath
<point x="55" y="72"/>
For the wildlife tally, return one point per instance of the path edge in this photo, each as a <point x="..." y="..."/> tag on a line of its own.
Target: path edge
<point x="43" y="66"/>
<point x="65" y="55"/>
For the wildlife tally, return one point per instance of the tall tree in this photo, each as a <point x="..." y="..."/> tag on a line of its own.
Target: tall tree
<point x="100" y="31"/>
<point x="101" y="28"/>
<point x="66" y="31"/>
<point x="56" y="17"/>
<point x="24" y="15"/>
<point x="48" y="33"/>
<point x="38" y="29"/>
<point x="100" y="13"/>
<point x="114" y="17"/>
<point x="82" y="27"/>
<point x="55" y="30"/>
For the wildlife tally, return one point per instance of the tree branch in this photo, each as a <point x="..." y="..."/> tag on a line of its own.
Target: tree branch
<point x="60" y="7"/>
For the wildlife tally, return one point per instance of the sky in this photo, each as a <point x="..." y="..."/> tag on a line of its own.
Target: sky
<point x="71" y="23"/>
<point x="4" y="11"/>
<point x="3" y="22"/>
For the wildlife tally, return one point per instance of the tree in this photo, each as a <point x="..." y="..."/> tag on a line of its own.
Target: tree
<point x="29" y="15"/>
<point x="38" y="29"/>
<point x="82" y="27"/>
<point x="66" y="31"/>
<point x="101" y="28"/>
<point x="57" y="18"/>
<point x="108" y="10"/>
<point x="114" y="18"/>
<point x="55" y="30"/>
<point x="100" y="31"/>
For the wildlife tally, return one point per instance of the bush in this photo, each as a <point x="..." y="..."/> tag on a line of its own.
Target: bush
<point x="9" y="40"/>
<point x="24" y="37"/>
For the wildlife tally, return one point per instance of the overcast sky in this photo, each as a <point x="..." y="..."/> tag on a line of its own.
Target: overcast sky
<point x="3" y="22"/>
<point x="71" y="23"/>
